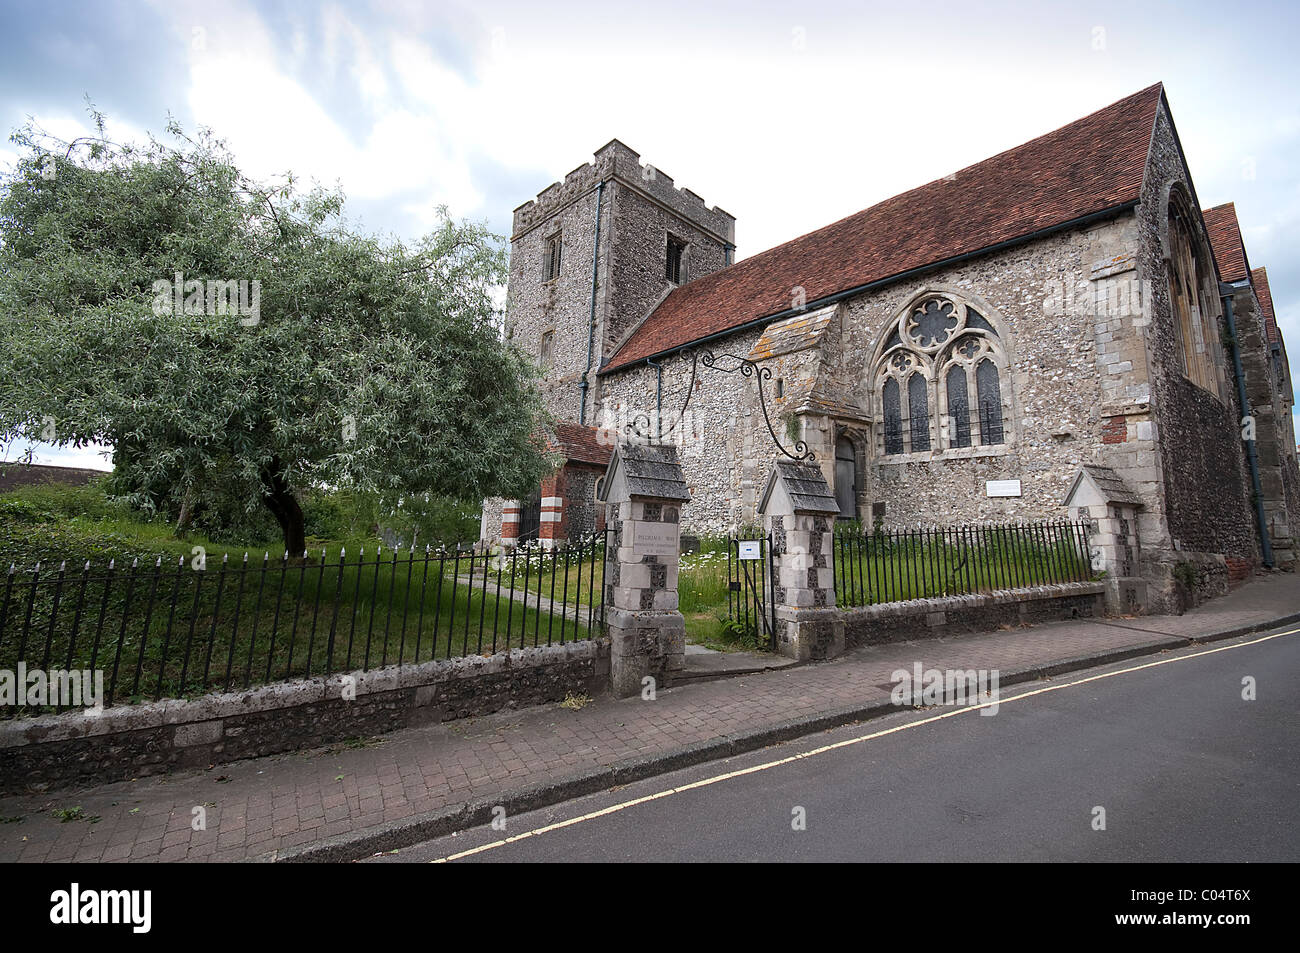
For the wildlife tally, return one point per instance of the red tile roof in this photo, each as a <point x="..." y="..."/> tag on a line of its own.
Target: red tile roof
<point x="581" y="443"/>
<point x="1225" y="241"/>
<point x="1089" y="166"/>
<point x="1259" y="277"/>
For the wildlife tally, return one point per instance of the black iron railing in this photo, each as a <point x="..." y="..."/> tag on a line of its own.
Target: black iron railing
<point x="750" y="606"/>
<point x="875" y="566"/>
<point x="167" y="629"/>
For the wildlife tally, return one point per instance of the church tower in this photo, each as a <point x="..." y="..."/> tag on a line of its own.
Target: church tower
<point x="591" y="256"/>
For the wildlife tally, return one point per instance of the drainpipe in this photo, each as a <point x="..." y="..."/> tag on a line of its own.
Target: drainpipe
<point x="591" y="326"/>
<point x="1226" y="293"/>
<point x="659" y="400"/>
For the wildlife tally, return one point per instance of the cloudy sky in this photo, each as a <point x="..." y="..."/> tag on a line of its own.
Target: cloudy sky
<point x="788" y="115"/>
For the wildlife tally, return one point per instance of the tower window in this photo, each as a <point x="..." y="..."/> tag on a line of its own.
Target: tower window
<point x="551" y="257"/>
<point x="676" y="268"/>
<point x="547" y="349"/>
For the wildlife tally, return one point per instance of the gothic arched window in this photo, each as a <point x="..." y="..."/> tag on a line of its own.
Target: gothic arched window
<point x="918" y="412"/>
<point x="946" y="357"/>
<point x="989" y="391"/>
<point x="958" y="407"/>
<point x="893" y="417"/>
<point x="1193" y="321"/>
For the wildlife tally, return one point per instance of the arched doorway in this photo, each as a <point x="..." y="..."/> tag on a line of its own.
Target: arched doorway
<point x="846" y="478"/>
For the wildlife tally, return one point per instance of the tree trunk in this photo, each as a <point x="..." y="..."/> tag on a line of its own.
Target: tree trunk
<point x="279" y="499"/>
<point x="186" y="514"/>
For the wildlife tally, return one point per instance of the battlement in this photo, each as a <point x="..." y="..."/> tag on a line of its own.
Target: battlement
<point x="616" y="160"/>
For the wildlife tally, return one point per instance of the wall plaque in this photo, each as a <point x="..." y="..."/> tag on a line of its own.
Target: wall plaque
<point x="1002" y="488"/>
<point x="654" y="539"/>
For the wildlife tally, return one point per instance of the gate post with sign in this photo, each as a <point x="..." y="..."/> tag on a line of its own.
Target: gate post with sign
<point x="644" y="491"/>
<point x="799" y="513"/>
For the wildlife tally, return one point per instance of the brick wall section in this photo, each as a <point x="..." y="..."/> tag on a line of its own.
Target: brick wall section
<point x="1239" y="571"/>
<point x="1115" y="430"/>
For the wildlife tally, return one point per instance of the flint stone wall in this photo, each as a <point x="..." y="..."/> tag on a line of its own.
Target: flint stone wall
<point x="56" y="751"/>
<point x="1056" y="394"/>
<point x="978" y="612"/>
<point x="1204" y="494"/>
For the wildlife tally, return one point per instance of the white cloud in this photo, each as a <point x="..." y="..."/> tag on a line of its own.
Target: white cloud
<point x="92" y="457"/>
<point x="241" y="86"/>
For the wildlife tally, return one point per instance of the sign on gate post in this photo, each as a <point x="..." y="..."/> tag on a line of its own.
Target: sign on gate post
<point x="750" y="548"/>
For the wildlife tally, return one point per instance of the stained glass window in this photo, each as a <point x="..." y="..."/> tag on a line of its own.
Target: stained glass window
<point x="976" y="320"/>
<point x="893" y="417"/>
<point x="958" y="407"/>
<point x="989" y="391"/>
<point x="933" y="322"/>
<point x="918" y="412"/>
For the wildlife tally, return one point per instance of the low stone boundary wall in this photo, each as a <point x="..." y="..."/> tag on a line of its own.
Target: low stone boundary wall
<point x="928" y="618"/>
<point x="130" y="741"/>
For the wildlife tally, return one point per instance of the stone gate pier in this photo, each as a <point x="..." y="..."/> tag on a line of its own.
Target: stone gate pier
<point x="644" y="491"/>
<point x="799" y="513"/>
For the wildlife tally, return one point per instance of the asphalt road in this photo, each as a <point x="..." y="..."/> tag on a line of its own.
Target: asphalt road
<point x="1184" y="767"/>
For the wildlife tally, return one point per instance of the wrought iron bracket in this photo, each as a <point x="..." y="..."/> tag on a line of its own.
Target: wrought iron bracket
<point x="639" y="427"/>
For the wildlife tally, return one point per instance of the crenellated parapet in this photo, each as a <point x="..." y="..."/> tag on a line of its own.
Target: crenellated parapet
<point x="616" y="161"/>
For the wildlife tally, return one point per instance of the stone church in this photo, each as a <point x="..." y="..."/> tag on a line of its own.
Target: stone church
<point x="1057" y="330"/>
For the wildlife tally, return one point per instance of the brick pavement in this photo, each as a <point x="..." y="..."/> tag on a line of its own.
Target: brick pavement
<point x="269" y="807"/>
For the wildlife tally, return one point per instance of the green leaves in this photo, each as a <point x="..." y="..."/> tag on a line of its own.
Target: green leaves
<point x="370" y="365"/>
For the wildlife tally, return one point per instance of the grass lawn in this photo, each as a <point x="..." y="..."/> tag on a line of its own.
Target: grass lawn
<point x="568" y="574"/>
<point x="702" y="593"/>
<point x="896" y="567"/>
<point x="161" y="630"/>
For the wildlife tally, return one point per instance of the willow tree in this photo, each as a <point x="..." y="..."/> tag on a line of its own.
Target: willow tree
<point x="227" y="336"/>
